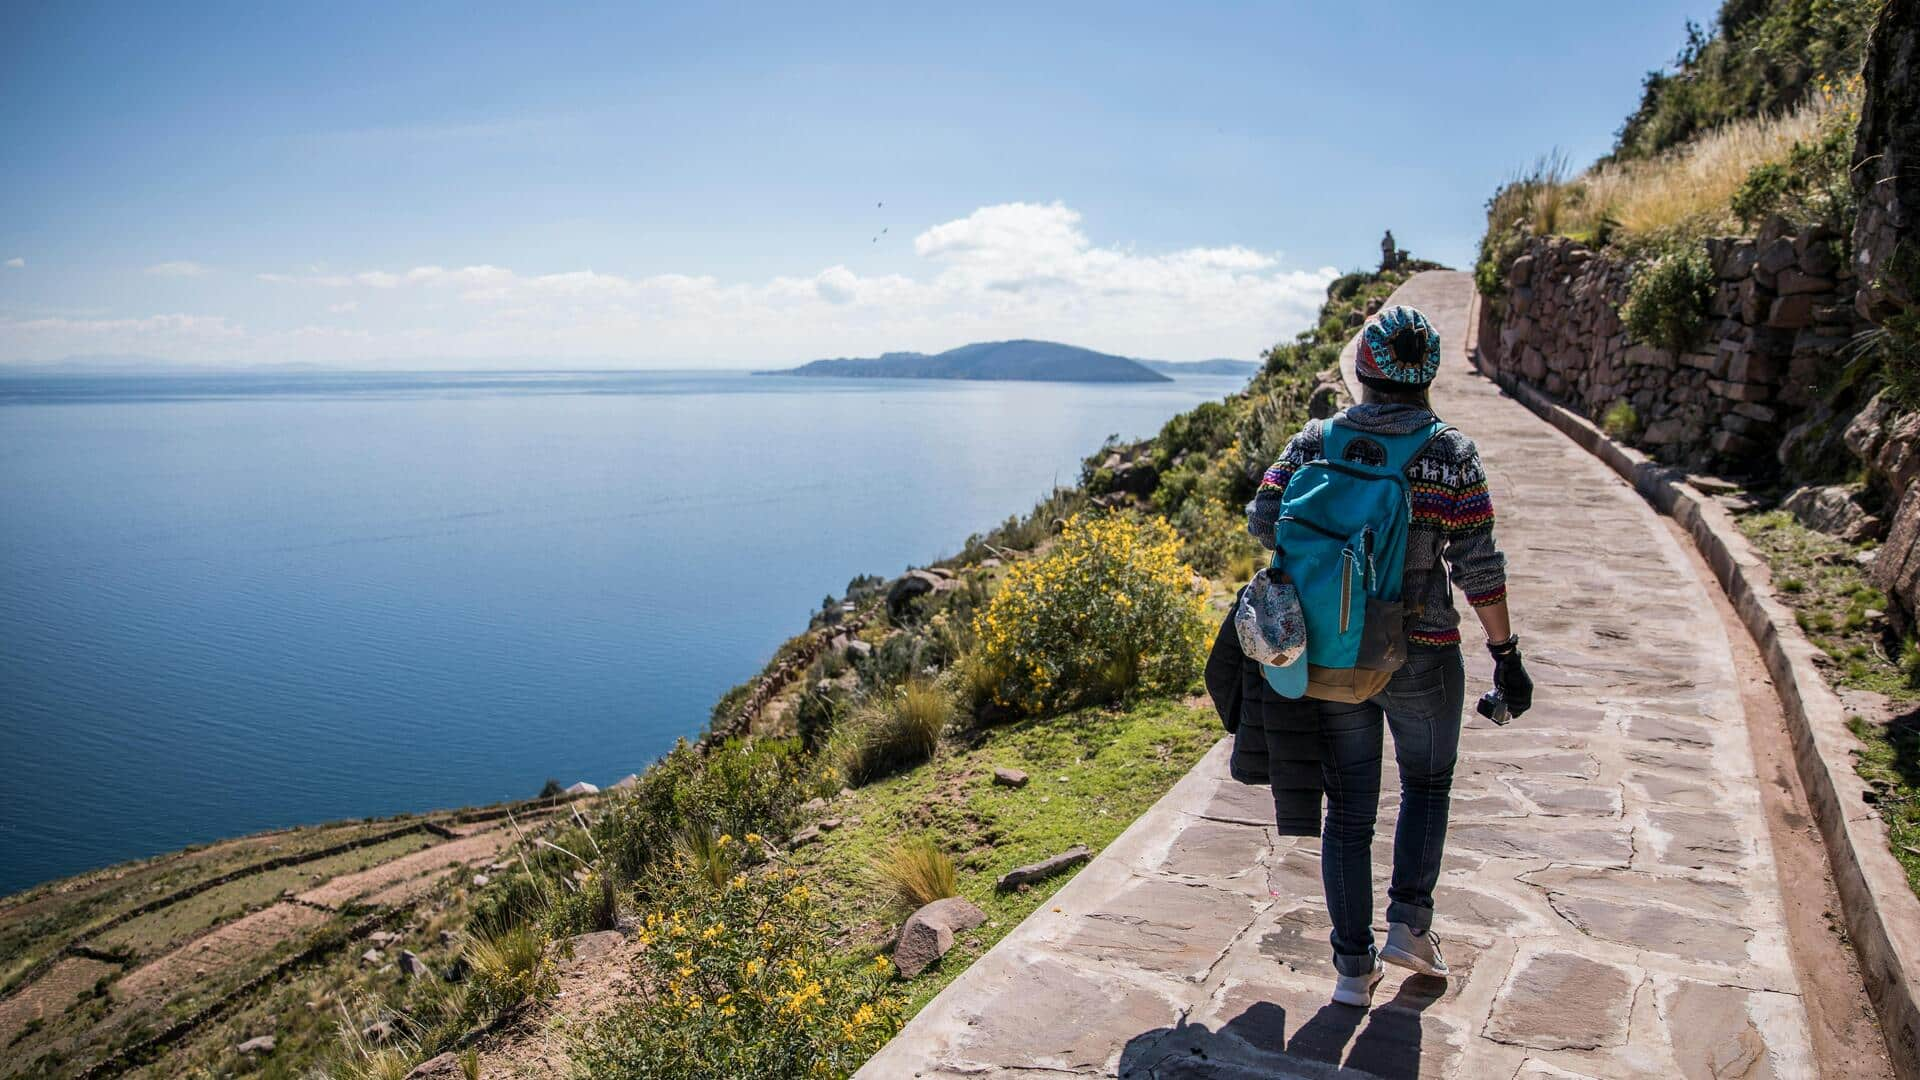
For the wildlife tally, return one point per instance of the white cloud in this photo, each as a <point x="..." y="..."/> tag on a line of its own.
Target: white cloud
<point x="1012" y="270"/>
<point x="15" y="263"/>
<point x="182" y="268"/>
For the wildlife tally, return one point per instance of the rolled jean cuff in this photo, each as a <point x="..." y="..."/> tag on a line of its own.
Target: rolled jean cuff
<point x="1418" y="919"/>
<point x="1361" y="964"/>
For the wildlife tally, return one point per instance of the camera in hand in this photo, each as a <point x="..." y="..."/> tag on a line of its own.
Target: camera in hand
<point x="1493" y="706"/>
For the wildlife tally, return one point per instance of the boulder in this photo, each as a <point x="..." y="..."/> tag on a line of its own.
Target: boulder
<point x="260" y="1044"/>
<point x="1324" y="402"/>
<point x="380" y="939"/>
<point x="1044" y="869"/>
<point x="1896" y="568"/>
<point x="625" y="782"/>
<point x="856" y="647"/>
<point x="373" y="958"/>
<point x="441" y="1067"/>
<point x="1013" y="778"/>
<point x="1835" y="510"/>
<point x="378" y="1033"/>
<point x="928" y="933"/>
<point x="805" y="836"/>
<point x="1137" y="477"/>
<point x="829" y="824"/>
<point x="412" y="966"/>
<point x="581" y="787"/>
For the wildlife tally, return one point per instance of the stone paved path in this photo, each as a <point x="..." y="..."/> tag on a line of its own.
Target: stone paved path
<point x="1609" y="902"/>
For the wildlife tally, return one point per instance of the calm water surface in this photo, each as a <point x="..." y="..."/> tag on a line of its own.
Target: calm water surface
<point x="230" y="603"/>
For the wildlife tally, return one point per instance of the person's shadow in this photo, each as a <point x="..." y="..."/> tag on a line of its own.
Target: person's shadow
<point x="1256" y="1042"/>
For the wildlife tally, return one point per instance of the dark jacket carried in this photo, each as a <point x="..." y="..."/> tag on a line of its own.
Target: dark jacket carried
<point x="1276" y="740"/>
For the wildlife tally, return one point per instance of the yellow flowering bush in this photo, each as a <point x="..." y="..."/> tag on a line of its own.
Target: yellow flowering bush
<point x="737" y="979"/>
<point x="1109" y="608"/>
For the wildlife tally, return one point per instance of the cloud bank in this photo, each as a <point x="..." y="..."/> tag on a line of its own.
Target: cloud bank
<point x="1011" y="270"/>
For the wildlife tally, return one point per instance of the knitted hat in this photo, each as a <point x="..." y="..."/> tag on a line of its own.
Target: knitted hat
<point x="1398" y="347"/>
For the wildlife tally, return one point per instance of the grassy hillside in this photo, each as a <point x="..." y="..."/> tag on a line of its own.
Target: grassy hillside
<point x="756" y="879"/>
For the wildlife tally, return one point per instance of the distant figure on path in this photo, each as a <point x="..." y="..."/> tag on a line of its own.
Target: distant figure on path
<point x="1450" y="532"/>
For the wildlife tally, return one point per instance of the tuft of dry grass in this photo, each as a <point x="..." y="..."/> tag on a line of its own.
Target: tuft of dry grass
<point x="1687" y="190"/>
<point x="897" y="732"/>
<point x="917" y="872"/>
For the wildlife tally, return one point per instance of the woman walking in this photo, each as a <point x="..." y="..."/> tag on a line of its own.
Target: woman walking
<point x="1450" y="532"/>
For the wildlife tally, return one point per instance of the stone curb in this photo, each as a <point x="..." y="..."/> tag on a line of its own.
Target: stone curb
<point x="1881" y="913"/>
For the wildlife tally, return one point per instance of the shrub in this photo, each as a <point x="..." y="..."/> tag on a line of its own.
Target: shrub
<point x="739" y="980"/>
<point x="1762" y="58"/>
<point x="1621" y="421"/>
<point x="917" y="872"/>
<point x="1813" y="183"/>
<point x="1667" y="302"/>
<point x="898" y="731"/>
<point x="1215" y="539"/>
<point x="738" y="787"/>
<point x="509" y="970"/>
<point x="1111" y="607"/>
<point x="582" y="905"/>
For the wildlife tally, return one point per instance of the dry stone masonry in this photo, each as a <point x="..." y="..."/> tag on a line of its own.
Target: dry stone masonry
<point x="1781" y="315"/>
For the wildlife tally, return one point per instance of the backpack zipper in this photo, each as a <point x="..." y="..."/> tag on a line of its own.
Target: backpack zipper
<point x="1316" y="528"/>
<point x="1347" y="570"/>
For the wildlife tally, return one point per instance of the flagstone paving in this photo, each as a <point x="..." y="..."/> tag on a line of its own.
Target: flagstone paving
<point x="1609" y="901"/>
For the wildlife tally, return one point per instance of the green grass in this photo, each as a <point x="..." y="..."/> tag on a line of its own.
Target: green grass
<point x="1117" y="763"/>
<point x="1817" y="575"/>
<point x="1890" y="764"/>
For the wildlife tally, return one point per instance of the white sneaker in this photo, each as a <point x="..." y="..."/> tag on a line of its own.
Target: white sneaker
<point x="1416" y="952"/>
<point x="1358" y="989"/>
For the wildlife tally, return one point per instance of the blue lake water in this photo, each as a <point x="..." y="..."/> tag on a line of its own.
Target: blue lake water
<point x="230" y="603"/>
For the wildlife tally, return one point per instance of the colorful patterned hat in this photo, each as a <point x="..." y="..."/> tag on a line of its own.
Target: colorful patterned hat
<point x="1398" y="347"/>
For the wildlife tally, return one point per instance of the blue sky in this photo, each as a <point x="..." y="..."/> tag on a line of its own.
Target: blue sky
<point x="427" y="185"/>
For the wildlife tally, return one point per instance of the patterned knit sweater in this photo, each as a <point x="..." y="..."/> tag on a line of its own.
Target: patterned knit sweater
<point x="1452" y="518"/>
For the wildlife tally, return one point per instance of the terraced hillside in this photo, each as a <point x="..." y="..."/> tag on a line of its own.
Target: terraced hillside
<point x="188" y="953"/>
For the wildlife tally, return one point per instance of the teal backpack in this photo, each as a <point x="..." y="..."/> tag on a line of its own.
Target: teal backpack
<point x="1342" y="539"/>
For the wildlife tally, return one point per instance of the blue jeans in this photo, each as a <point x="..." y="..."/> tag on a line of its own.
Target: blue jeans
<point x="1422" y="705"/>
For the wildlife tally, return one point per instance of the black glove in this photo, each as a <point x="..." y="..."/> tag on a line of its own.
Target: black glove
<point x="1510" y="675"/>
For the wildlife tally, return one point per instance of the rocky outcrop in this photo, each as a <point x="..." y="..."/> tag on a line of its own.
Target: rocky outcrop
<point x="1835" y="509"/>
<point x="1886" y="165"/>
<point x="1780" y="315"/>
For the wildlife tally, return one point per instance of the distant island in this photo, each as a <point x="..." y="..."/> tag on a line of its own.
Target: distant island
<point x="1030" y="361"/>
<point x="1217" y="366"/>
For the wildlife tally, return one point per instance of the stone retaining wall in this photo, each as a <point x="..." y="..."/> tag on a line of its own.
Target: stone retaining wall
<point x="1781" y="314"/>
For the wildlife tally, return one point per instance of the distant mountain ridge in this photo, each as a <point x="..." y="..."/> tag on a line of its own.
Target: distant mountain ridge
<point x="1217" y="366"/>
<point x="1030" y="361"/>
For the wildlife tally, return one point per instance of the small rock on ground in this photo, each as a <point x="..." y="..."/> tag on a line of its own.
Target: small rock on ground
<point x="1010" y="778"/>
<point x="1045" y="868"/>
<point x="261" y="1044"/>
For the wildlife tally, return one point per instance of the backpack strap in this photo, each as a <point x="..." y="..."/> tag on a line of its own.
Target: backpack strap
<point x="1434" y="431"/>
